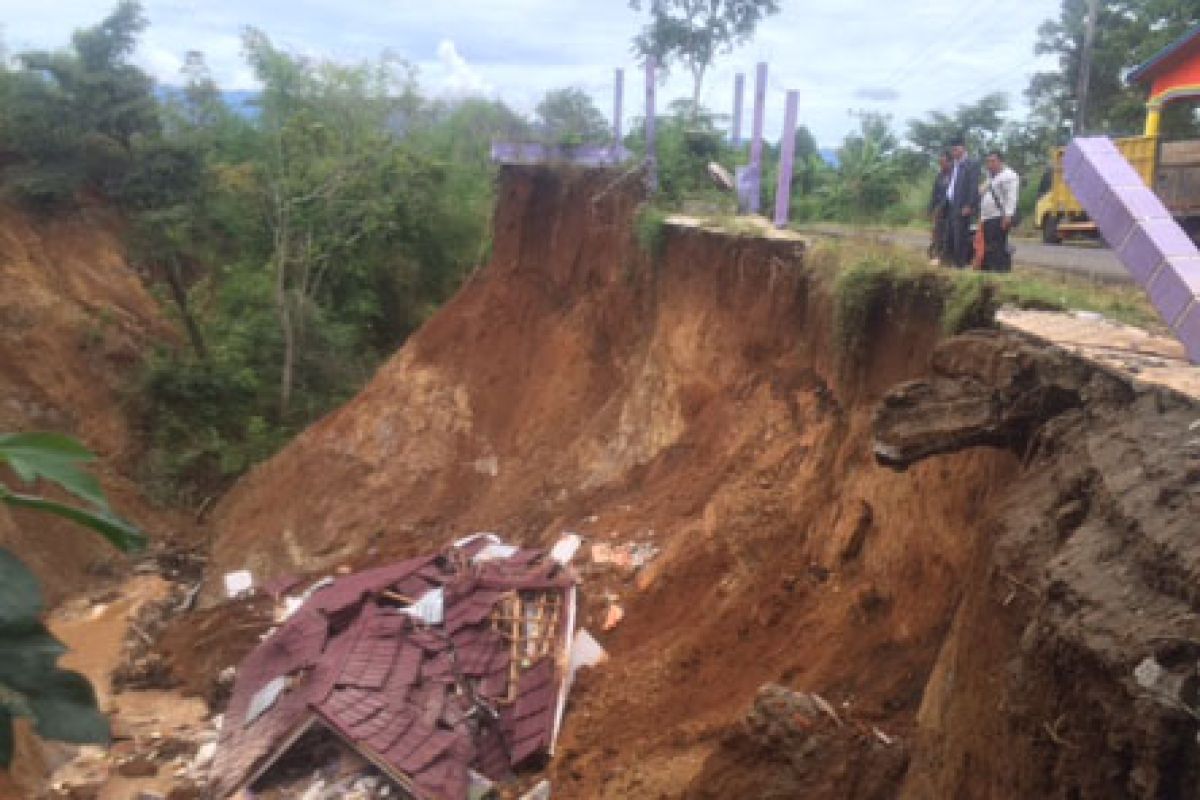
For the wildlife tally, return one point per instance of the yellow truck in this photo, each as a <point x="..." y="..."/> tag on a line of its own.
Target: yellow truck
<point x="1171" y="169"/>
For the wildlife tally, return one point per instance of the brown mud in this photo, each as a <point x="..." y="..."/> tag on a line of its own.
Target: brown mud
<point x="1011" y="615"/>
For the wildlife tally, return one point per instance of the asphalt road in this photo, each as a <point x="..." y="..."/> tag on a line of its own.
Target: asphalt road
<point x="1087" y="259"/>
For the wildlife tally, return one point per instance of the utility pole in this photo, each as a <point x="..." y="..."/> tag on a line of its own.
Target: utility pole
<point x="1085" y="67"/>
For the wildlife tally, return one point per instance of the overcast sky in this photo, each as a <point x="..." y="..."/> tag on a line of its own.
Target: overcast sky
<point x="902" y="57"/>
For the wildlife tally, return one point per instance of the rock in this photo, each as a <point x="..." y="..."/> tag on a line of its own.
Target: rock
<point x="137" y="767"/>
<point x="185" y="791"/>
<point x="205" y="755"/>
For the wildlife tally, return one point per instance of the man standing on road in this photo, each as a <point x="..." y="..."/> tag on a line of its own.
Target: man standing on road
<point x="962" y="202"/>
<point x="998" y="208"/>
<point x="937" y="211"/>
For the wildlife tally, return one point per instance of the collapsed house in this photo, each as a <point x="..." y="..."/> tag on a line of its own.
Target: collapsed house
<point x="431" y="669"/>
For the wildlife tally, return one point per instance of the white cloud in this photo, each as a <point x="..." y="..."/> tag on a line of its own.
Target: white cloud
<point x="459" y="78"/>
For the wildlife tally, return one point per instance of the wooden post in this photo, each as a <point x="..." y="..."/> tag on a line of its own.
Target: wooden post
<point x="739" y="89"/>
<point x="787" y="157"/>
<point x="618" y="101"/>
<point x="651" y="151"/>
<point x="756" y="132"/>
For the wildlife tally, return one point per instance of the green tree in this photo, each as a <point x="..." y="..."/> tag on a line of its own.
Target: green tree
<point x="979" y="123"/>
<point x="569" y="116"/>
<point x="61" y="703"/>
<point x="873" y="171"/>
<point x="1127" y="34"/>
<point x="72" y="116"/>
<point x="694" y="32"/>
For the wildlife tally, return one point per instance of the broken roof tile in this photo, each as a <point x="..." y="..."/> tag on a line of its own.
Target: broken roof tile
<point x="393" y="687"/>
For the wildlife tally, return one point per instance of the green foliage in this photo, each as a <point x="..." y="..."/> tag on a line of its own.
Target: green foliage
<point x="60" y="702"/>
<point x="872" y="173"/>
<point x="864" y="294"/>
<point x="568" y="116"/>
<point x="694" y="32"/>
<point x="71" y="117"/>
<point x="970" y="303"/>
<point x="686" y="146"/>
<point x="649" y="228"/>
<point x="56" y="458"/>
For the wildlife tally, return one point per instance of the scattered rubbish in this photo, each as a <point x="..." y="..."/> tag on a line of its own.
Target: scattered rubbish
<point x="883" y="737"/>
<point x="630" y="556"/>
<point x="237" y="583"/>
<point x="585" y="651"/>
<point x="430" y="609"/>
<point x="539" y="792"/>
<point x="564" y="549"/>
<point x="489" y="466"/>
<point x="1149" y="673"/>
<point x="824" y="705"/>
<point x="613" y="616"/>
<point x="494" y="552"/>
<point x="472" y="676"/>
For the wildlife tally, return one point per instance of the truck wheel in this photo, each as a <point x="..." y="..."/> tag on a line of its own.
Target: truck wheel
<point x="1050" y="230"/>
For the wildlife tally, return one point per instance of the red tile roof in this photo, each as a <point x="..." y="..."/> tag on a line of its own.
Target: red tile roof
<point x="424" y="703"/>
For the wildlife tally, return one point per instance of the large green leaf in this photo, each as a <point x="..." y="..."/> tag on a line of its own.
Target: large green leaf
<point x="124" y="535"/>
<point x="65" y="709"/>
<point x="52" y="457"/>
<point x="28" y="658"/>
<point x="20" y="597"/>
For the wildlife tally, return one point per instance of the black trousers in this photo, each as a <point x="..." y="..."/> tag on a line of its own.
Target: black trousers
<point x="958" y="238"/>
<point x="995" y="246"/>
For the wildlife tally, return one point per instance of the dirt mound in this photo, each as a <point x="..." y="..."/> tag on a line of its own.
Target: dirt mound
<point x="694" y="398"/>
<point x="580" y="383"/>
<point x="75" y="321"/>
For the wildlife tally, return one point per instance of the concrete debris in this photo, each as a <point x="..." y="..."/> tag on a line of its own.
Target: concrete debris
<point x="613" y="616"/>
<point x="238" y="583"/>
<point x="539" y="792"/>
<point x="564" y="549"/>
<point x="585" y="651"/>
<point x="629" y="557"/>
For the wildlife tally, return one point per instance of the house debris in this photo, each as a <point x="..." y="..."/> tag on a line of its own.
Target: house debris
<point x="434" y="670"/>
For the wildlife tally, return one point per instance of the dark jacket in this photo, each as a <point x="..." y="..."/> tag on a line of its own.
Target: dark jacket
<point x="937" y="195"/>
<point x="966" y="187"/>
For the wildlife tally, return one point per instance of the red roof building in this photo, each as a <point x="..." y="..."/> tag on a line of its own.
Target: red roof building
<point x="428" y="668"/>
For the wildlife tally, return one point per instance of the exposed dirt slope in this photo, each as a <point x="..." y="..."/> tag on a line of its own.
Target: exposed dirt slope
<point x="693" y="399"/>
<point x="972" y="623"/>
<point x="75" y="320"/>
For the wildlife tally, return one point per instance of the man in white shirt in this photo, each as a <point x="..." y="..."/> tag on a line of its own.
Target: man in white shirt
<point x="998" y="208"/>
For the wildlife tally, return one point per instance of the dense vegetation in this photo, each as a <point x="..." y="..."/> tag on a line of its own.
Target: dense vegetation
<point x="299" y="241"/>
<point x="301" y="238"/>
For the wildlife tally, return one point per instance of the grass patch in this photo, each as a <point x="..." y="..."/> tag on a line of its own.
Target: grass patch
<point x="871" y="280"/>
<point x="650" y="230"/>
<point x="1054" y="291"/>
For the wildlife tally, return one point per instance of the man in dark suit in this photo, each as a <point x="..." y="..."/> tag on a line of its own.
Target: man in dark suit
<point x="962" y="200"/>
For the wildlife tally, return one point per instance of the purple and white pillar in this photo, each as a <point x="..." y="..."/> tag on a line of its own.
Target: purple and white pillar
<point x="756" y="132"/>
<point x="739" y="89"/>
<point x="618" y="102"/>
<point x="651" y="150"/>
<point x="787" y="157"/>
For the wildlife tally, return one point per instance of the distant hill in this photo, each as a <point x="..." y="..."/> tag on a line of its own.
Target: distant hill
<point x="830" y="156"/>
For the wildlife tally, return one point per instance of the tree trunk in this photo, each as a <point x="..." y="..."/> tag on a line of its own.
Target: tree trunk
<point x="697" y="82"/>
<point x="179" y="293"/>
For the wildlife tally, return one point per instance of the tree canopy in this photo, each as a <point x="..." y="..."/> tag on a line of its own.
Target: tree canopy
<point x="694" y="32"/>
<point x="569" y="116"/>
